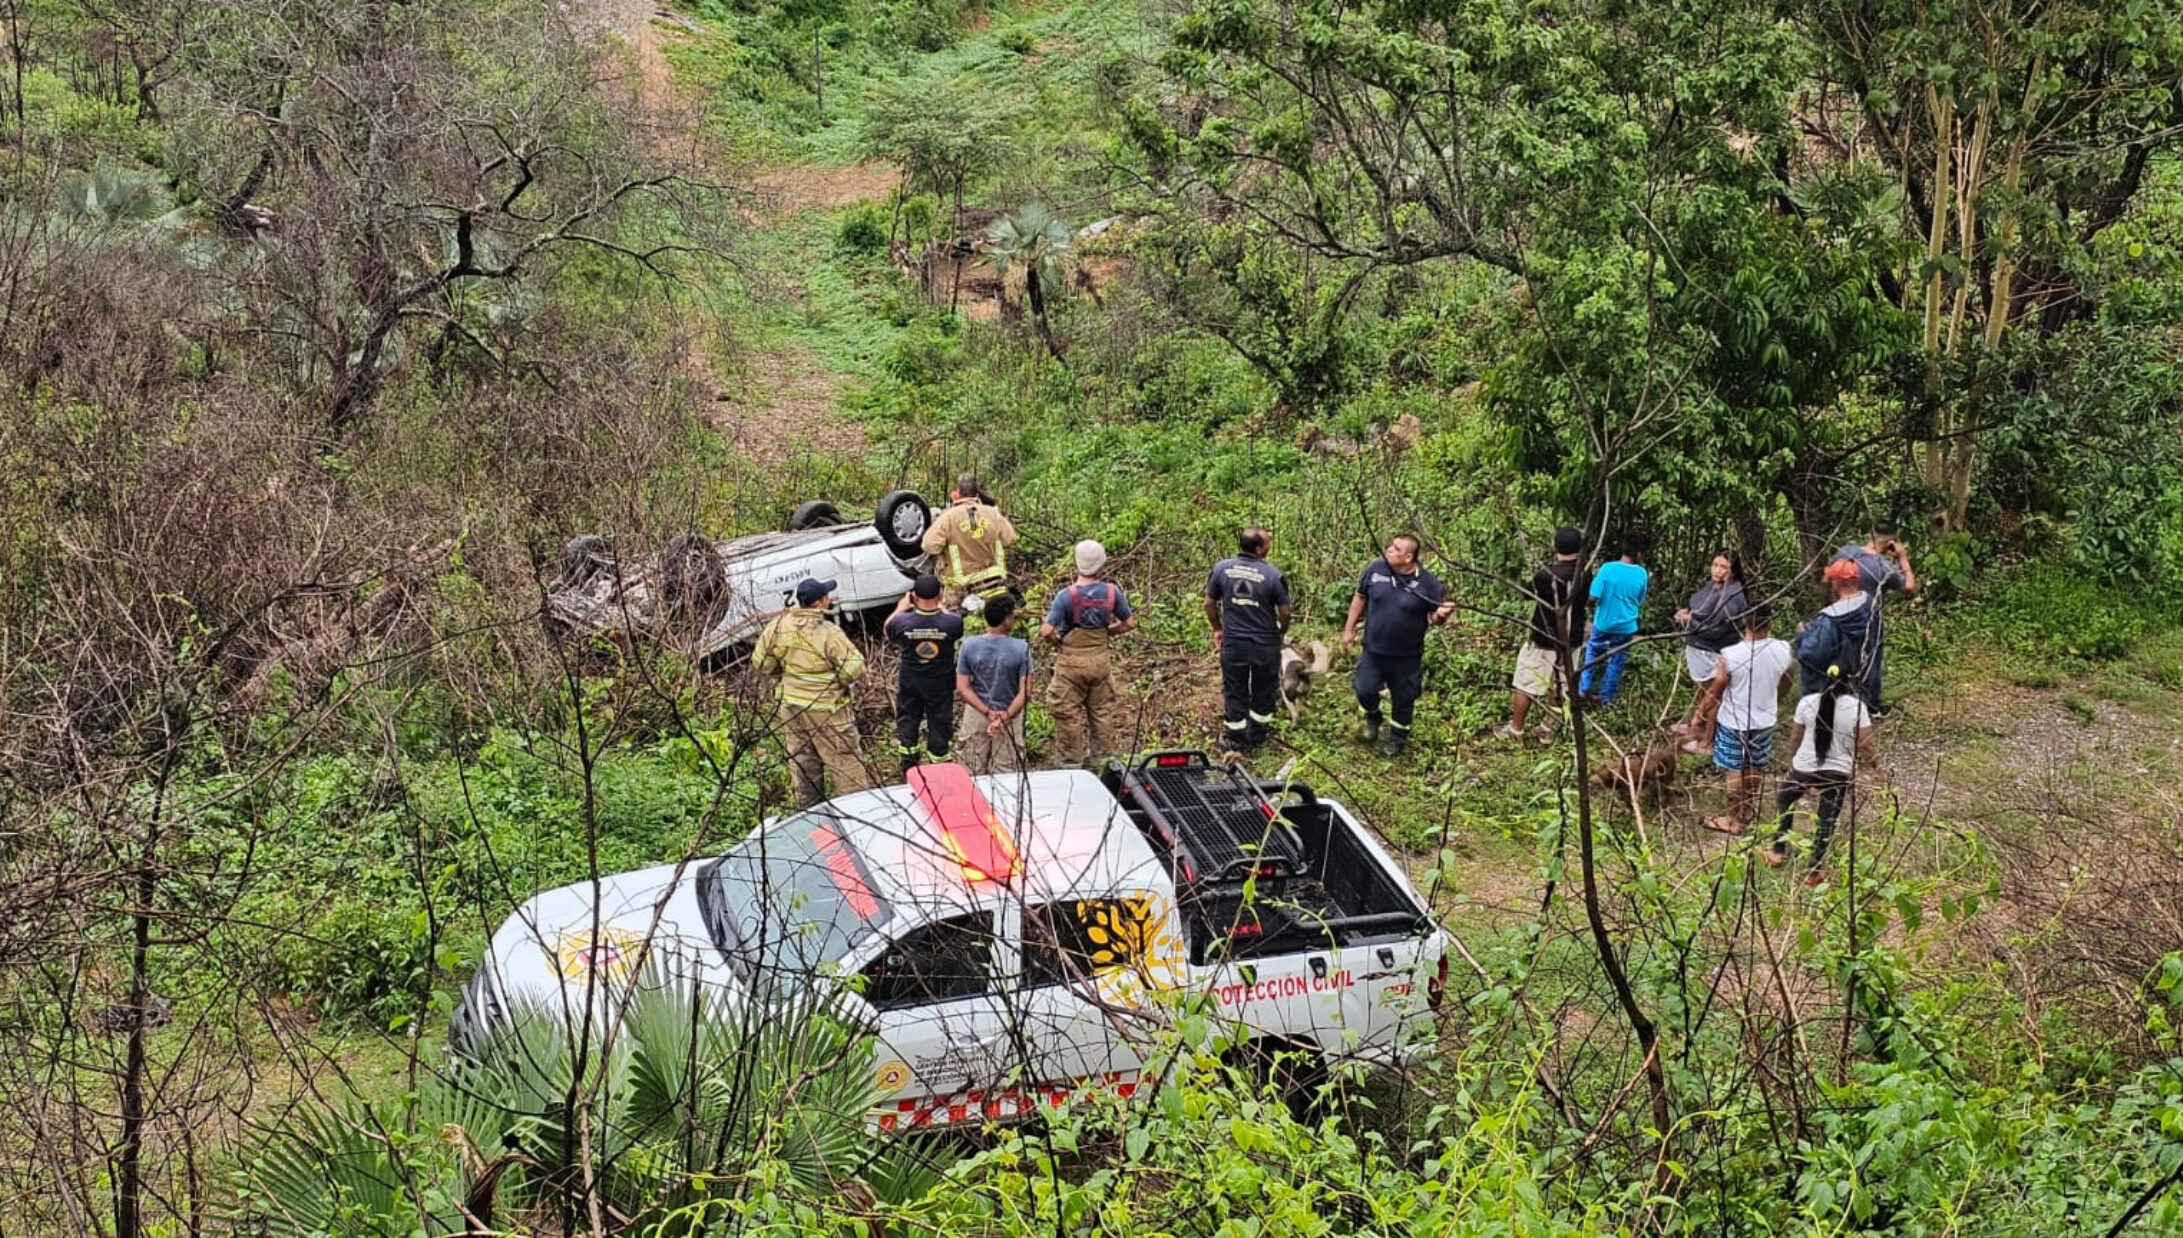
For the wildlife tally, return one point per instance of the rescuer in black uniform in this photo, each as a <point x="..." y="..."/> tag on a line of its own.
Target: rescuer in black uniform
<point x="1247" y="602"/>
<point x="925" y="691"/>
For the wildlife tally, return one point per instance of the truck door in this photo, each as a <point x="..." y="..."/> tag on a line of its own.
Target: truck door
<point x="942" y="1028"/>
<point x="1092" y="978"/>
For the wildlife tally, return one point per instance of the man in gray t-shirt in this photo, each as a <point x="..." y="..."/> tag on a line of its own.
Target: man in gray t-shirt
<point x="993" y="679"/>
<point x="1882" y="564"/>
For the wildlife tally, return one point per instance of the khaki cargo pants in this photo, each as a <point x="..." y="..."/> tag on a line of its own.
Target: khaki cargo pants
<point x="1082" y="700"/>
<point x="822" y="742"/>
<point x="988" y="754"/>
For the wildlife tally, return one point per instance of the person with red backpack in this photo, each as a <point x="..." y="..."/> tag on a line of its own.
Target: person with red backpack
<point x="1083" y="618"/>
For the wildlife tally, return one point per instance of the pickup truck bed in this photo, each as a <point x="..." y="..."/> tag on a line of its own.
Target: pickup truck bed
<point x="1255" y="878"/>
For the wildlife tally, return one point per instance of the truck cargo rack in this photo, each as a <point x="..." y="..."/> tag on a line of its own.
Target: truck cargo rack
<point x="1215" y="818"/>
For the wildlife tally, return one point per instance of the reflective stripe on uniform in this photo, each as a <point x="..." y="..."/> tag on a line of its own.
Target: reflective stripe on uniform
<point x="813" y="680"/>
<point x="1237" y="725"/>
<point x="997" y="571"/>
<point x="1258" y="717"/>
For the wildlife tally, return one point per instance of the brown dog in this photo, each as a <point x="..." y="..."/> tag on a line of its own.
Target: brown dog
<point x="1638" y="773"/>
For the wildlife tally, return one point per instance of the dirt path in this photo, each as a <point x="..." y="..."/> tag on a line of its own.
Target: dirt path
<point x="633" y="21"/>
<point x="785" y="400"/>
<point x="794" y="189"/>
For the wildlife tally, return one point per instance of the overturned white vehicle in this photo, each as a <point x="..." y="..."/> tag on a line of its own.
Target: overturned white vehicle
<point x="710" y="598"/>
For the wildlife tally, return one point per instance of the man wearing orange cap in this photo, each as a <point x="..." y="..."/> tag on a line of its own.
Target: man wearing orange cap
<point x="1839" y="636"/>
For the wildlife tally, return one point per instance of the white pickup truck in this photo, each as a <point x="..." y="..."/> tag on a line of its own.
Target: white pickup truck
<point x="1016" y="937"/>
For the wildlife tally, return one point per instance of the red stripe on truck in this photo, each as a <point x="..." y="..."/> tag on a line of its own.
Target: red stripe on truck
<point x="969" y="828"/>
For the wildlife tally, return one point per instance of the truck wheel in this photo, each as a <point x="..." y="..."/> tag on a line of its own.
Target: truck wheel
<point x="691" y="579"/>
<point x="585" y="556"/>
<point x="902" y="520"/>
<point x="1296" y="1072"/>
<point x="816" y="514"/>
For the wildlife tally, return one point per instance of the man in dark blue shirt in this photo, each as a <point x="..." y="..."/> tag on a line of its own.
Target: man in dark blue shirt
<point x="926" y="637"/>
<point x="1397" y="599"/>
<point x="1247" y="602"/>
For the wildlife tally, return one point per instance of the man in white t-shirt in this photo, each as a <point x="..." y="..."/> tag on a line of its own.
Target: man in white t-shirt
<point x="1832" y="735"/>
<point x="1748" y="684"/>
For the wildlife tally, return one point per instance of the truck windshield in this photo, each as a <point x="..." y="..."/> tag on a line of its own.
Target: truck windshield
<point x="790" y="899"/>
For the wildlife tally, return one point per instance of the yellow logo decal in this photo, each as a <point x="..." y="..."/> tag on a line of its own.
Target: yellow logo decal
<point x="613" y="953"/>
<point x="891" y="1077"/>
<point x="1134" y="947"/>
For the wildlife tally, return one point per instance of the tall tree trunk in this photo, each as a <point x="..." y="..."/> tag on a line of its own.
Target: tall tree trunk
<point x="1037" y="297"/>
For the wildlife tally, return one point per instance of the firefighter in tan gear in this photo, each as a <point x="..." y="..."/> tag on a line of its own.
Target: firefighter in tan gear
<point x="1083" y="619"/>
<point x="816" y="664"/>
<point x="969" y="542"/>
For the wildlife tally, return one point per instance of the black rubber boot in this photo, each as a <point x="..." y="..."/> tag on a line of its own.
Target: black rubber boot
<point x="1393" y="743"/>
<point x="1368" y="731"/>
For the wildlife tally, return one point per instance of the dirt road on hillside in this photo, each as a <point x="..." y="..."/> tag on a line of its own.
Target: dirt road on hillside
<point x="784" y="400"/>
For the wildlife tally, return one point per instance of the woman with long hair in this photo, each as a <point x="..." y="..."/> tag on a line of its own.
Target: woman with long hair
<point x="1832" y="736"/>
<point x="1709" y="626"/>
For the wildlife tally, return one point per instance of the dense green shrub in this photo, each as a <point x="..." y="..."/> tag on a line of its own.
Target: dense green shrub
<point x="358" y="922"/>
<point x="2047" y="609"/>
<point x="863" y="229"/>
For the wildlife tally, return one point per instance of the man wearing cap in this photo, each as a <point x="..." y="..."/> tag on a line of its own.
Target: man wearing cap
<point x="1083" y="618"/>
<point x="1247" y="604"/>
<point x="969" y="539"/>
<point x="1557" y="627"/>
<point x="1882" y="564"/>
<point x="1840" y="635"/>
<point x="924" y="697"/>
<point x="816" y="664"/>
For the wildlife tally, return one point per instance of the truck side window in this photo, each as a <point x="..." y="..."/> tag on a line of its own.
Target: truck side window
<point x="936" y="962"/>
<point x="1073" y="941"/>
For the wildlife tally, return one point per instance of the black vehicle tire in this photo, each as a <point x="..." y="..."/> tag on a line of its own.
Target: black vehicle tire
<point x="816" y="514"/>
<point x="691" y="580"/>
<point x="585" y="556"/>
<point x="1296" y="1072"/>
<point x="902" y="519"/>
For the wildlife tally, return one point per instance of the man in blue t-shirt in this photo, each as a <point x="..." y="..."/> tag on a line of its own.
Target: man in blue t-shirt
<point x="1618" y="590"/>
<point x="924" y="695"/>
<point x="1397" y="599"/>
<point x="1084" y="619"/>
<point x="1247" y="604"/>
<point x="993" y="680"/>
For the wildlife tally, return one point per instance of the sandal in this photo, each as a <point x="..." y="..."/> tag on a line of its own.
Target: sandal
<point x="1696" y="747"/>
<point x="1774" y="859"/>
<point x="1725" y="825"/>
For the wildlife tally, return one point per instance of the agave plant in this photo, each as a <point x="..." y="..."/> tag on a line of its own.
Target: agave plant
<point x="112" y="195"/>
<point x="638" y="1126"/>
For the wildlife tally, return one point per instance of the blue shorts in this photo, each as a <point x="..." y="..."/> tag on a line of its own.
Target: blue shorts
<point x="1742" y="750"/>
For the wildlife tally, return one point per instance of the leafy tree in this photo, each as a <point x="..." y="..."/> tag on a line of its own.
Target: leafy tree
<point x="941" y="134"/>
<point x="2012" y="135"/>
